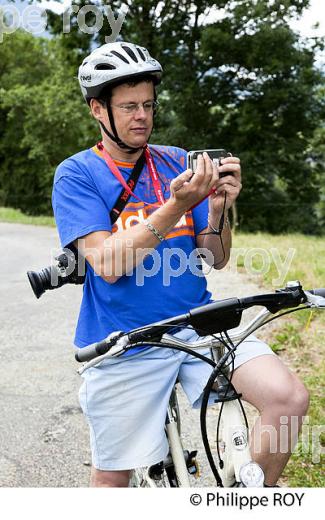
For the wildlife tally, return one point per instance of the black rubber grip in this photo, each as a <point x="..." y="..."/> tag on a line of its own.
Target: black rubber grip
<point x="92" y="351"/>
<point x="318" y="292"/>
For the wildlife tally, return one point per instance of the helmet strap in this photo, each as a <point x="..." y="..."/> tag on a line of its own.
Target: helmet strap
<point x="118" y="141"/>
<point x="114" y="136"/>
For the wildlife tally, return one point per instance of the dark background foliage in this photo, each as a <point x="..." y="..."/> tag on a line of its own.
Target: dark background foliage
<point x="244" y="81"/>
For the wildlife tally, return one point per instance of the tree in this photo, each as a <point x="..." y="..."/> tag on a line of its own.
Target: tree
<point x="316" y="154"/>
<point x="46" y="121"/>
<point x="244" y="81"/>
<point x="15" y="70"/>
<point x="235" y="76"/>
<point x="271" y="112"/>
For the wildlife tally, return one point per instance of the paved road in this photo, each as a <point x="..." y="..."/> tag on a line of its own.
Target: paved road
<point x="43" y="436"/>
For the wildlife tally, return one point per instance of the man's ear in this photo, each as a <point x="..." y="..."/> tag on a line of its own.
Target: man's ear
<point x="97" y="109"/>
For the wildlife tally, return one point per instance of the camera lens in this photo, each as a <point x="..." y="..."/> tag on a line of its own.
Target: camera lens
<point x="55" y="276"/>
<point x="46" y="279"/>
<point x="40" y="281"/>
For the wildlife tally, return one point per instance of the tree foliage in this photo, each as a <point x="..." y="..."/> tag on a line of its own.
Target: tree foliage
<point x="45" y="122"/>
<point x="236" y="76"/>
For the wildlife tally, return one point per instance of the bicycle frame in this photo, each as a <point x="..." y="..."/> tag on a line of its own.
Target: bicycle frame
<point x="235" y="433"/>
<point x="237" y="467"/>
<point x="237" y="456"/>
<point x="142" y="477"/>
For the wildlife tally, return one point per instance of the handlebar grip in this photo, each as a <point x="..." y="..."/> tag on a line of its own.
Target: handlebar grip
<point x="92" y="351"/>
<point x="318" y="292"/>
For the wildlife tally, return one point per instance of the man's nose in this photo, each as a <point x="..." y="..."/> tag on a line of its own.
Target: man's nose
<point x="140" y="112"/>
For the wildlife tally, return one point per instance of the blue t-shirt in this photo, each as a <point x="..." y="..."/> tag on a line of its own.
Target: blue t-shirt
<point x="168" y="282"/>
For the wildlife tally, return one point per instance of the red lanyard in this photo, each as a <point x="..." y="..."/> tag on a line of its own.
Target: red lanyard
<point x="154" y="176"/>
<point x="152" y="170"/>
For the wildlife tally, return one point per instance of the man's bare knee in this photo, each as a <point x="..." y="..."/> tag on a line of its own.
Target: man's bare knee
<point x="101" y="478"/>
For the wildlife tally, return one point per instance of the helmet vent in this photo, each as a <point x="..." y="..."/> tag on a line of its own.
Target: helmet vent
<point x="105" y="66"/>
<point x="113" y="64"/>
<point x="141" y="53"/>
<point x="130" y="52"/>
<point x="118" y="55"/>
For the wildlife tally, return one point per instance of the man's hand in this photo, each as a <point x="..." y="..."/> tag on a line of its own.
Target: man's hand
<point x="229" y="185"/>
<point x="190" y="188"/>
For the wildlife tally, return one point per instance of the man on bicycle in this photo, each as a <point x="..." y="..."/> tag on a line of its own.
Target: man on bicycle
<point x="139" y="236"/>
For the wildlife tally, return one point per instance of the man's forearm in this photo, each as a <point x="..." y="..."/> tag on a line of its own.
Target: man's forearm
<point x="124" y="250"/>
<point x="218" y="245"/>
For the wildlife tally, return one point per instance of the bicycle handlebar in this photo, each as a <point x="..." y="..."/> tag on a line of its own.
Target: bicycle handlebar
<point x="318" y="292"/>
<point x="212" y="318"/>
<point x="92" y="351"/>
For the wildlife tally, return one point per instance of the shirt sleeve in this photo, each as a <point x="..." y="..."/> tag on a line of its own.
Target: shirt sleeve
<point x="78" y="207"/>
<point x="200" y="216"/>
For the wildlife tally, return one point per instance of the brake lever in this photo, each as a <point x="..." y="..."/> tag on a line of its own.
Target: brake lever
<point x="315" y="300"/>
<point x="115" y="351"/>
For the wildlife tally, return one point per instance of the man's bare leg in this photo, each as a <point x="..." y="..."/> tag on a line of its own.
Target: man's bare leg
<point x="267" y="384"/>
<point x="99" y="478"/>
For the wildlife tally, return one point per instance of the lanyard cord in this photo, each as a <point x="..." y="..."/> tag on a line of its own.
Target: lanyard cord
<point x="152" y="170"/>
<point x="153" y="174"/>
<point x="156" y="184"/>
<point x="218" y="232"/>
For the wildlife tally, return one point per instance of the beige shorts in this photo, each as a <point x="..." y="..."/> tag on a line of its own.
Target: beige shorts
<point x="125" y="400"/>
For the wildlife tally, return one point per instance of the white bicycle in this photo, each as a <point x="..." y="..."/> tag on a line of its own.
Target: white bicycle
<point x="234" y="466"/>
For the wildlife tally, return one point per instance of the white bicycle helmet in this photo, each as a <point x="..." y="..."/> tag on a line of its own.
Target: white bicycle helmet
<point x="113" y="63"/>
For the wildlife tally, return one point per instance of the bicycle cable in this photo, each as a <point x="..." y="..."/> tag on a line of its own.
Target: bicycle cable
<point x="273" y="318"/>
<point x="208" y="389"/>
<point x="203" y="414"/>
<point x="234" y="347"/>
<point x="217" y="367"/>
<point x="205" y="399"/>
<point x="172" y="346"/>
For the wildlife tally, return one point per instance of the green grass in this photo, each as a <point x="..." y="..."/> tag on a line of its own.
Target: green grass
<point x="298" y="339"/>
<point x="305" y="256"/>
<point x="301" y="344"/>
<point x="16" y="216"/>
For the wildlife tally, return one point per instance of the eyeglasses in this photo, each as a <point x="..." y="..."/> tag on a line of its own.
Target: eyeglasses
<point x="131" y="108"/>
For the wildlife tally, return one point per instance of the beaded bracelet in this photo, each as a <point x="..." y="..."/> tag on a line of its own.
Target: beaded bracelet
<point x="154" y="230"/>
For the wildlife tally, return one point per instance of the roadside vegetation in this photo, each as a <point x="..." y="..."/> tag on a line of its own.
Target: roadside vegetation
<point x="17" y="217"/>
<point x="299" y="339"/>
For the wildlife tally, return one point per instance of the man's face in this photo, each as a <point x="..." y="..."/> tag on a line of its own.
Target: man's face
<point x="133" y="128"/>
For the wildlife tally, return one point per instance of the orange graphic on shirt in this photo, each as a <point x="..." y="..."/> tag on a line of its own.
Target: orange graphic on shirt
<point x="136" y="212"/>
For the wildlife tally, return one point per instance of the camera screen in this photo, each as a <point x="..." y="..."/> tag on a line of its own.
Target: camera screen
<point x="214" y="160"/>
<point x="214" y="155"/>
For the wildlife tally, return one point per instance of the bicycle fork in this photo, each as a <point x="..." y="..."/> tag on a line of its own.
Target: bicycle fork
<point x="179" y="463"/>
<point x="176" y="450"/>
<point x="237" y="467"/>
